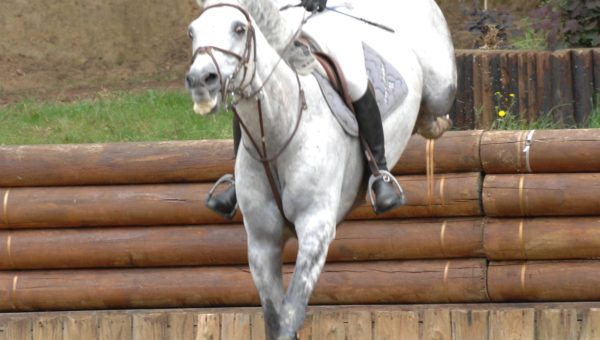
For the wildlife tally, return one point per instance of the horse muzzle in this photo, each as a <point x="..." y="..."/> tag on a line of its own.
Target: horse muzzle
<point x="204" y="87"/>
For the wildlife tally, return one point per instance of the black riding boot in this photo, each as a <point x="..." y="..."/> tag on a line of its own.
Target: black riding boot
<point x="225" y="203"/>
<point x="388" y="194"/>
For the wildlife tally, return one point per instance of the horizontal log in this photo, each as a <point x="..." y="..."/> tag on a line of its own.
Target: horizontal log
<point x="183" y="204"/>
<point x="340" y="283"/>
<point x="542" y="238"/>
<point x="542" y="195"/>
<point x="226" y="244"/>
<point x="118" y="163"/>
<point x="455" y="151"/>
<point x="184" y="161"/>
<point x="123" y="205"/>
<point x="541" y="151"/>
<point x="204" y="161"/>
<point x="450" y="195"/>
<point x="544" y="281"/>
<point x="406" y="239"/>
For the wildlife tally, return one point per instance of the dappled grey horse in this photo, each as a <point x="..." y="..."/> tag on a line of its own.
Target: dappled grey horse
<point x="299" y="169"/>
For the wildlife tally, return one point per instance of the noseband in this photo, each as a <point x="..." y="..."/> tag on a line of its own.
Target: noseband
<point x="243" y="63"/>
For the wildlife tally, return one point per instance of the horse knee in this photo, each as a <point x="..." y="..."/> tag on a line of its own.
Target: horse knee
<point x="430" y="125"/>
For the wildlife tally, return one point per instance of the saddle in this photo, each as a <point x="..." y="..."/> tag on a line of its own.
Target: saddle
<point x="387" y="83"/>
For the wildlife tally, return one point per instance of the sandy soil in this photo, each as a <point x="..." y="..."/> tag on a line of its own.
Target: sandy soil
<point x="64" y="49"/>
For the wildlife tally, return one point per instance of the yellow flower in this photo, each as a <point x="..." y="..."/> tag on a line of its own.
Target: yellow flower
<point x="501" y="113"/>
<point x="512" y="95"/>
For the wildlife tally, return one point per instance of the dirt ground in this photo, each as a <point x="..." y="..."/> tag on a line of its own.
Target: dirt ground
<point x="68" y="49"/>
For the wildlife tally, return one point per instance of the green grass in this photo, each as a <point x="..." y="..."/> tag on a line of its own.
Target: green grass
<point x="153" y="116"/>
<point x="531" y="39"/>
<point x="511" y="122"/>
<point x="116" y="117"/>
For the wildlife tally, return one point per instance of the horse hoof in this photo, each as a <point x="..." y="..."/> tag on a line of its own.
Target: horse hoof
<point x="436" y="129"/>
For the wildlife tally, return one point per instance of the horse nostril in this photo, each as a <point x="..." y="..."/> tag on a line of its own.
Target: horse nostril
<point x="189" y="80"/>
<point x="211" y="78"/>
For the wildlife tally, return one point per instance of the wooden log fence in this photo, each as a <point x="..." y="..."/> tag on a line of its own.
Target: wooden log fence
<point x="528" y="84"/>
<point x="482" y="321"/>
<point x="508" y="217"/>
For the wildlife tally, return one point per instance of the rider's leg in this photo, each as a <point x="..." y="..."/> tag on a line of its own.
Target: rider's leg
<point x="350" y="56"/>
<point x="387" y="196"/>
<point x="225" y="203"/>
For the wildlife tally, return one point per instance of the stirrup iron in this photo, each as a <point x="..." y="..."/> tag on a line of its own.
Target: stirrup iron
<point x="228" y="178"/>
<point x="386" y="176"/>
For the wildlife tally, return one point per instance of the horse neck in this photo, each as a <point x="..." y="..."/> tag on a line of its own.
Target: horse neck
<point x="278" y="97"/>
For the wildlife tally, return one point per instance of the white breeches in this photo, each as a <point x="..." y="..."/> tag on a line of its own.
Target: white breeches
<point x="347" y="51"/>
<point x="329" y="30"/>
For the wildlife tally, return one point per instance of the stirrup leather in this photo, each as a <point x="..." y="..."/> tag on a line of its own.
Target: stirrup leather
<point x="228" y="178"/>
<point x="386" y="176"/>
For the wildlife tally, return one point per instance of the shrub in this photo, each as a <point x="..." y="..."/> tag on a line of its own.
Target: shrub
<point x="569" y="23"/>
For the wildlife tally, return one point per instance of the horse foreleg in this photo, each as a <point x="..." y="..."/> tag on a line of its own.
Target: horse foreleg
<point x="314" y="237"/>
<point x="265" y="259"/>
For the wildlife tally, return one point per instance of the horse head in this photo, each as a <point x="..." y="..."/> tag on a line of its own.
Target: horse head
<point x="222" y="61"/>
<point x="224" y="47"/>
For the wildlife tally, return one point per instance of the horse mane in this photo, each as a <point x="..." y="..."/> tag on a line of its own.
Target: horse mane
<point x="267" y="18"/>
<point x="275" y="29"/>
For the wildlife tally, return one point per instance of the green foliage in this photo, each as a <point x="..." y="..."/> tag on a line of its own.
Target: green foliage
<point x="513" y="121"/>
<point x="569" y="23"/>
<point x="117" y="117"/>
<point x="531" y="39"/>
<point x="508" y="119"/>
<point x="594" y="120"/>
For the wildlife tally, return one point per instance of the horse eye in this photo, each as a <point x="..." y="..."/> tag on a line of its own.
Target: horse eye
<point x="191" y="33"/>
<point x="239" y="29"/>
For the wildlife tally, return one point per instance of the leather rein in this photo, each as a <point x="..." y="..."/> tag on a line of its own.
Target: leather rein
<point x="244" y="61"/>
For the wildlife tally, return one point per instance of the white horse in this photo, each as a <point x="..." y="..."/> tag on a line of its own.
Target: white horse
<point x="315" y="167"/>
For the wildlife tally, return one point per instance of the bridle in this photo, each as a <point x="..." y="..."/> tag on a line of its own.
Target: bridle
<point x="244" y="60"/>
